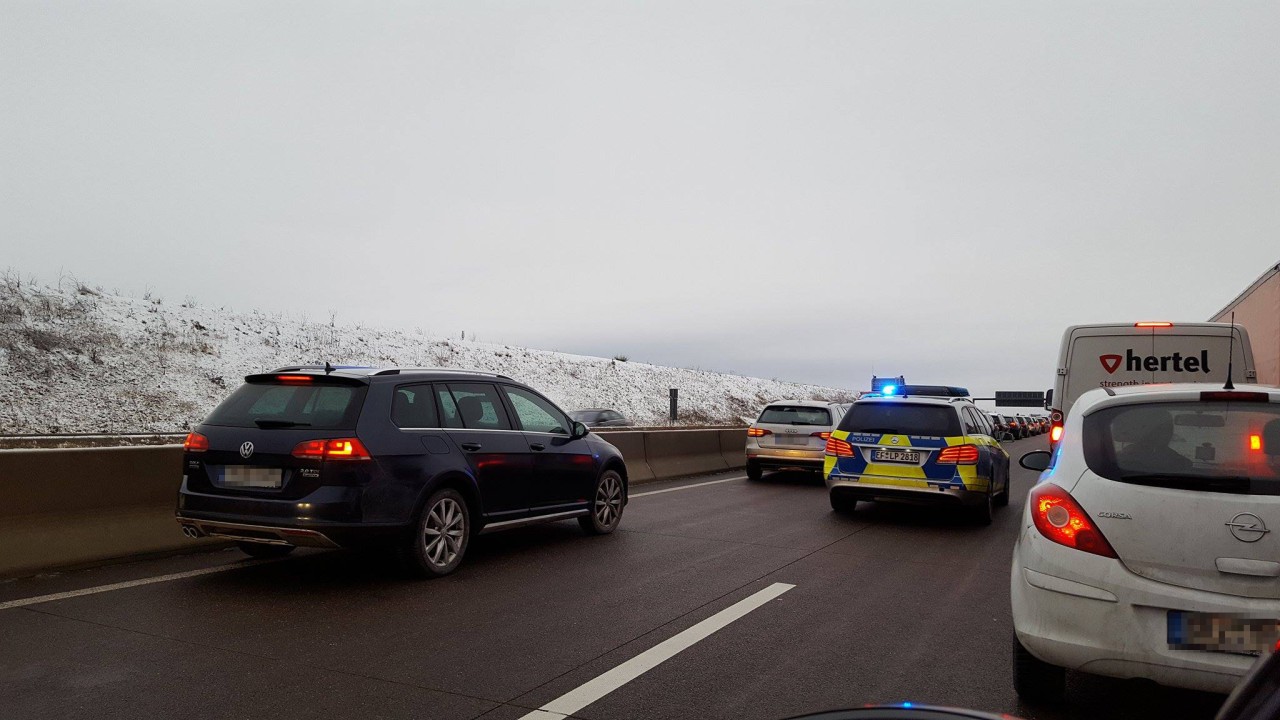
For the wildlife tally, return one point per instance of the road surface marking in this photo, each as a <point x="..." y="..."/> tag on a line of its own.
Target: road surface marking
<point x="131" y="583"/>
<point x="686" y="487"/>
<point x="582" y="696"/>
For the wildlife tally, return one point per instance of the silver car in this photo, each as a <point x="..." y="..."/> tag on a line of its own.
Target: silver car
<point x="791" y="434"/>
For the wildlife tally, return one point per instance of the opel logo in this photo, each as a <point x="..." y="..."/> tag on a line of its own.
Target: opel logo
<point x="246" y="450"/>
<point x="1247" y="527"/>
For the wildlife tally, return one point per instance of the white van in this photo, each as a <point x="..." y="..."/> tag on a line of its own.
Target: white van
<point x="1144" y="353"/>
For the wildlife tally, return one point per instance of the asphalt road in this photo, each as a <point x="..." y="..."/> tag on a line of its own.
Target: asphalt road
<point x="891" y="604"/>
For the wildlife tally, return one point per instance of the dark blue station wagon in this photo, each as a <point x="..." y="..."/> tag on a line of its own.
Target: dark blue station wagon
<point x="415" y="460"/>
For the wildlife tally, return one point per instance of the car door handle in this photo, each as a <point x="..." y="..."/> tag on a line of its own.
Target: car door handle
<point x="472" y="447"/>
<point x="537" y="446"/>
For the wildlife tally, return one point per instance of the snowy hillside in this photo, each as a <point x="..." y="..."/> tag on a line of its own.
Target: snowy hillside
<point x="75" y="359"/>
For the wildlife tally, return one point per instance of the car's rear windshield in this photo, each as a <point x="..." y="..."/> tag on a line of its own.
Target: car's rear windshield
<point x="321" y="406"/>
<point x="795" y="415"/>
<point x="1199" y="446"/>
<point x="902" y="419"/>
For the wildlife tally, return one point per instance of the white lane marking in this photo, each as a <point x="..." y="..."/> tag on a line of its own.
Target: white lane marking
<point x="131" y="583"/>
<point x="582" y="696"/>
<point x="686" y="487"/>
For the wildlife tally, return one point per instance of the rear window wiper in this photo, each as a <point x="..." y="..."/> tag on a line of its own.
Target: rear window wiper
<point x="1184" y="481"/>
<point x="267" y="424"/>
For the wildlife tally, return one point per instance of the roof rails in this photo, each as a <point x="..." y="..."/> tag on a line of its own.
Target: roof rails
<point x="298" y="368"/>
<point x="397" y="371"/>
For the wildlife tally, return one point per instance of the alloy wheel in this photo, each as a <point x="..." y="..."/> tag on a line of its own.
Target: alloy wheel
<point x="608" y="506"/>
<point x="444" y="531"/>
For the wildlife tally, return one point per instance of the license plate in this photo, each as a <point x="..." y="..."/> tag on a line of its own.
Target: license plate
<point x="242" y="476"/>
<point x="1222" y="633"/>
<point x="793" y="439"/>
<point x="896" y="456"/>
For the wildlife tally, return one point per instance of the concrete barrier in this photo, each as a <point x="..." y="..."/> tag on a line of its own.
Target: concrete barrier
<point x="733" y="447"/>
<point x="631" y="444"/>
<point x="683" y="452"/>
<point x="75" y="506"/>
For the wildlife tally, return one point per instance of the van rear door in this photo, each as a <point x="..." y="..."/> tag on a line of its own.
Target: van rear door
<point x="1117" y="355"/>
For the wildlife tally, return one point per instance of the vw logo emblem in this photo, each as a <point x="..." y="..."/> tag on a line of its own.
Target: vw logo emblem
<point x="894" y="439"/>
<point x="246" y="450"/>
<point x="1247" y="527"/>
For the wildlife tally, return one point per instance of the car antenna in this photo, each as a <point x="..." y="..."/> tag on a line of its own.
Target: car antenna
<point x="1231" y="353"/>
<point x="329" y="368"/>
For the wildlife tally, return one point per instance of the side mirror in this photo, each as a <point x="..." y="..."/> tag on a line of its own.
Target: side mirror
<point x="1037" y="460"/>
<point x="579" y="431"/>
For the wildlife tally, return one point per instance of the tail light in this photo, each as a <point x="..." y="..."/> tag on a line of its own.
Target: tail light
<point x="332" y="449"/>
<point x="1153" y="324"/>
<point x="839" y="448"/>
<point x="195" y="442"/>
<point x="758" y="432"/>
<point x="823" y="435"/>
<point x="1060" y="518"/>
<point x="959" y="455"/>
<point x="293" y="379"/>
<point x="1056" y="433"/>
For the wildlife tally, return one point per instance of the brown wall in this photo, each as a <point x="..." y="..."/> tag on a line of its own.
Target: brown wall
<point x="1257" y="309"/>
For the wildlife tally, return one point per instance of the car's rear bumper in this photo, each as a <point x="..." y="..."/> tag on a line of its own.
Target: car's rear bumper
<point x="329" y="517"/>
<point x="909" y="490"/>
<point x="786" y="458"/>
<point x="1089" y="613"/>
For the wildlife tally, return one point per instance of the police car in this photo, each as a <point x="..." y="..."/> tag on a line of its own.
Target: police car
<point x="917" y="444"/>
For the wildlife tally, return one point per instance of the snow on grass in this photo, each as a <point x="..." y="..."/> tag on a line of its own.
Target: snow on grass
<point x="76" y="359"/>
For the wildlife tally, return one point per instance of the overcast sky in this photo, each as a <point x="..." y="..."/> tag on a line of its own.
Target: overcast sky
<point x="811" y="191"/>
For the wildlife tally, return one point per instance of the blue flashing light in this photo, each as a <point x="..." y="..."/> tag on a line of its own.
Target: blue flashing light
<point x="890" y="389"/>
<point x="906" y="705"/>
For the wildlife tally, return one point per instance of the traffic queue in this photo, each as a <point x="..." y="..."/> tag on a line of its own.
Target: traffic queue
<point x="1147" y="548"/>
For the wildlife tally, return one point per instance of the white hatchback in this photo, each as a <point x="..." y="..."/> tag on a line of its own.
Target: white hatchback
<point x="1150" y="547"/>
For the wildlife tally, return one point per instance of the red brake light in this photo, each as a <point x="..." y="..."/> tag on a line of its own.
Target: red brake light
<point x="839" y="448"/>
<point x="1060" y="518"/>
<point x="293" y="378"/>
<point x="758" y="432"/>
<point x="1055" y="434"/>
<point x="958" y="455"/>
<point x="823" y="435"/>
<point x="1153" y="324"/>
<point x="1255" y="442"/>
<point x="195" y="442"/>
<point x="333" y="449"/>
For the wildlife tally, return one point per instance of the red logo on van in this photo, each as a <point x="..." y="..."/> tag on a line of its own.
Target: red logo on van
<point x="1110" y="363"/>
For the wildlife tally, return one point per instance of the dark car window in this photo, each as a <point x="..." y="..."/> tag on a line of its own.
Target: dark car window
<point x="902" y="419"/>
<point x="795" y="415"/>
<point x="536" y="414"/>
<point x="586" y="416"/>
<point x="413" y="407"/>
<point x="1203" y="446"/>
<point x="319" y="406"/>
<point x="474" y="406"/>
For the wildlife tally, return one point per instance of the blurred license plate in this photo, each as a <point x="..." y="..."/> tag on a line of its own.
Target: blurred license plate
<point x="897" y="456"/>
<point x="1222" y="633"/>
<point x="251" y="477"/>
<point x="793" y="439"/>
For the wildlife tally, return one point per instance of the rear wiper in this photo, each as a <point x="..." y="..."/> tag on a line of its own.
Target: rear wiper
<point x="1184" y="481"/>
<point x="266" y="424"/>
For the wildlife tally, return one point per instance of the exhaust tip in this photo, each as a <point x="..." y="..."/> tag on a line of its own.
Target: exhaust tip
<point x="190" y="532"/>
